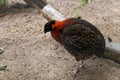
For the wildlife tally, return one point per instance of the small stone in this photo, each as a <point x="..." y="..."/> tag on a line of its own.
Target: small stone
<point x="3" y="68"/>
<point x="1" y="50"/>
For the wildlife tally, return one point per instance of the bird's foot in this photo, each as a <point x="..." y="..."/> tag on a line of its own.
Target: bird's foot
<point x="78" y="68"/>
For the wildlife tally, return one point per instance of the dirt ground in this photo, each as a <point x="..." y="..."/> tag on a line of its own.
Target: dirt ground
<point x="32" y="55"/>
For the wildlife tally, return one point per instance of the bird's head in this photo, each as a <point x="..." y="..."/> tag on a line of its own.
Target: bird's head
<point x="54" y="25"/>
<point x="48" y="26"/>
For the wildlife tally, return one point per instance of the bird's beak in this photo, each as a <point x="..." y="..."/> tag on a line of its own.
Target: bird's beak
<point x="45" y="31"/>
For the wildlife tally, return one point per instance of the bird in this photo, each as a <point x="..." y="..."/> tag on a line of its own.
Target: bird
<point x="78" y="36"/>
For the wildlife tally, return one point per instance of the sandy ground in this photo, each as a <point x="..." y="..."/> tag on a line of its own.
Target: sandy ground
<point x="32" y="55"/>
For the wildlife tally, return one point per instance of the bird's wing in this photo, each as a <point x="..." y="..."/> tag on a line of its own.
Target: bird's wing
<point x="76" y="37"/>
<point x="82" y="36"/>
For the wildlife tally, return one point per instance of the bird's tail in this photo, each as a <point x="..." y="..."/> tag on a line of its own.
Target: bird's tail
<point x="111" y="56"/>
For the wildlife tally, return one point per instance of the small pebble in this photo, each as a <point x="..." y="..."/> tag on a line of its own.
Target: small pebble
<point x="3" y="68"/>
<point x="1" y="50"/>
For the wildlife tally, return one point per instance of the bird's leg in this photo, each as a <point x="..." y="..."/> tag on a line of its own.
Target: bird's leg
<point x="78" y="66"/>
<point x="82" y="58"/>
<point x="76" y="69"/>
<point x="82" y="66"/>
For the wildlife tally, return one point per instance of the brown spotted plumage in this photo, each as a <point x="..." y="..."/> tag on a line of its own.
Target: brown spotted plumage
<point x="78" y="36"/>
